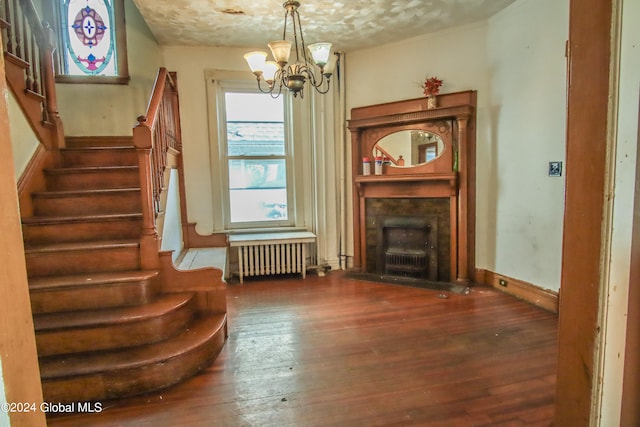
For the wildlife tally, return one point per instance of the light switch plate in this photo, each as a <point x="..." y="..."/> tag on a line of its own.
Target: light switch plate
<point x="555" y="168"/>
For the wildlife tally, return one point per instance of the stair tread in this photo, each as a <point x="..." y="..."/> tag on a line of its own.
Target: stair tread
<point x="66" y="193"/>
<point x="198" y="333"/>
<point x="91" y="318"/>
<point x="36" y="220"/>
<point x="75" y="246"/>
<point x="90" y="169"/>
<point x="99" y="148"/>
<point x="94" y="279"/>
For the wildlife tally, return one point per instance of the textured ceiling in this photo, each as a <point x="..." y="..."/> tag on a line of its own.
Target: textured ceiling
<point x="348" y="24"/>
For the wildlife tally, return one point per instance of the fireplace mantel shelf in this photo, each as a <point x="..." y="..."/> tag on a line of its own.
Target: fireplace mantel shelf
<point x="407" y="186"/>
<point x="365" y="179"/>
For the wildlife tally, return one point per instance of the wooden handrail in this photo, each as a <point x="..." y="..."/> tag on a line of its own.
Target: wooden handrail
<point x="34" y="21"/>
<point x="163" y="78"/>
<point x="156" y="132"/>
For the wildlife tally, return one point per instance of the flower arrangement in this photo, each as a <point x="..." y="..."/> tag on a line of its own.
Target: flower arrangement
<point x="431" y="86"/>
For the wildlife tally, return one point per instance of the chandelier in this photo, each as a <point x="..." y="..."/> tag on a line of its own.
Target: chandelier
<point x="293" y="76"/>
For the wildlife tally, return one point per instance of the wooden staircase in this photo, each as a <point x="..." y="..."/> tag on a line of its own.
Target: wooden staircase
<point x="105" y="327"/>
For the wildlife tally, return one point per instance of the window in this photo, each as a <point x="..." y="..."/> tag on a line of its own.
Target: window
<point x="92" y="41"/>
<point x="257" y="155"/>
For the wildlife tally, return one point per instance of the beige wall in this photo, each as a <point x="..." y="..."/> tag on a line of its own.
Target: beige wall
<point x="458" y="56"/>
<point x="24" y="141"/>
<point x="393" y="72"/>
<point x="515" y="61"/>
<point x="112" y="109"/>
<point x="191" y="63"/>
<point x="171" y="231"/>
<point x="521" y="208"/>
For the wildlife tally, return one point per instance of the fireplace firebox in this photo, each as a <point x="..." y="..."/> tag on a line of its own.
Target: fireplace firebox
<point x="408" y="247"/>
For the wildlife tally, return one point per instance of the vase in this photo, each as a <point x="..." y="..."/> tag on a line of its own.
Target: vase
<point x="432" y="102"/>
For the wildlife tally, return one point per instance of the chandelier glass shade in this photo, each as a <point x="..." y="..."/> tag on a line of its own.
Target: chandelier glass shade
<point x="311" y="63"/>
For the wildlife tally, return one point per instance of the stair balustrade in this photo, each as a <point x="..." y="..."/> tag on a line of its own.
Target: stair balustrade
<point x="154" y="136"/>
<point x="28" y="45"/>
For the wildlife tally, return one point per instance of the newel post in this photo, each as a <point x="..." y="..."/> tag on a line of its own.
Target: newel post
<point x="142" y="141"/>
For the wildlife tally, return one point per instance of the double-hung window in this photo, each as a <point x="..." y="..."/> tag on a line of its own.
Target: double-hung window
<point x="256" y="152"/>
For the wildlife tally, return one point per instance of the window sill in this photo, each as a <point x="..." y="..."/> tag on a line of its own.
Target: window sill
<point x="112" y="80"/>
<point x="265" y="230"/>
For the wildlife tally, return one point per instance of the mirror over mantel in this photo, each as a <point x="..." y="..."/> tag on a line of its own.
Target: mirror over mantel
<point x="431" y="156"/>
<point x="409" y="148"/>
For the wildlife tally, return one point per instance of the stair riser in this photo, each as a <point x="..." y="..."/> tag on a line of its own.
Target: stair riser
<point x="115" y="335"/>
<point x="92" y="297"/>
<point x="98" y="141"/>
<point x="93" y="180"/>
<point x="130" y="382"/>
<point x="85" y="261"/>
<point x="90" y="204"/>
<point x="82" y="231"/>
<point x="107" y="157"/>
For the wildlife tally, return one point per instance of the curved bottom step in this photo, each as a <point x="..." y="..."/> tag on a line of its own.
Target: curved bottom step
<point x="115" y="374"/>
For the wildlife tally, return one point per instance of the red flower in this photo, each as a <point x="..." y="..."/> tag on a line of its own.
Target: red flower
<point x="431" y="86"/>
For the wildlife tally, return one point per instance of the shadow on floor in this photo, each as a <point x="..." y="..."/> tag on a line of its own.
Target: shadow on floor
<point x="408" y="281"/>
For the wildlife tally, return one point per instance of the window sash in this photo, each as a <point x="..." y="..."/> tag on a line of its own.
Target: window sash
<point x="278" y="218"/>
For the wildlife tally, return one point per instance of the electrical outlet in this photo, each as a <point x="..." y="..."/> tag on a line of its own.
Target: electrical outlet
<point x="503" y="282"/>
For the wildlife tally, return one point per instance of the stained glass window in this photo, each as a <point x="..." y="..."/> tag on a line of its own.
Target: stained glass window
<point x="89" y="36"/>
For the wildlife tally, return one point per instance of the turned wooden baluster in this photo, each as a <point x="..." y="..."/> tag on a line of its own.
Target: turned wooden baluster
<point x="151" y="138"/>
<point x="7" y="27"/>
<point x="15" y="22"/>
<point x="35" y="65"/>
<point x="26" y="48"/>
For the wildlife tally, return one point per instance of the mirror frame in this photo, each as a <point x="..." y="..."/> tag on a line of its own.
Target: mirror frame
<point x="421" y="151"/>
<point x="442" y="164"/>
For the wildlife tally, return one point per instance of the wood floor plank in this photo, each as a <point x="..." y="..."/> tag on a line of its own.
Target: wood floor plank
<point x="335" y="351"/>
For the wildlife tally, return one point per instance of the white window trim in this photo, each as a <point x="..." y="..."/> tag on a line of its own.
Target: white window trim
<point x="219" y="81"/>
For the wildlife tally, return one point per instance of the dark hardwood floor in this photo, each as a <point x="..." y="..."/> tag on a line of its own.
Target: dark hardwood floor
<point x="335" y="351"/>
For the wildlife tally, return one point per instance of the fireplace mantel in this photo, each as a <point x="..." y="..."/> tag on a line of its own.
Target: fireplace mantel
<point x="450" y="176"/>
<point x="419" y="185"/>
